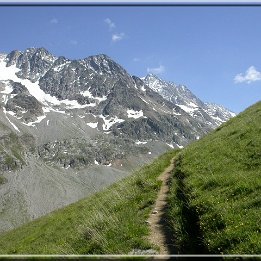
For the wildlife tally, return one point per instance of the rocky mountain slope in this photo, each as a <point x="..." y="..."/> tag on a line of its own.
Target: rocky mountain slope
<point x="71" y="127"/>
<point x="209" y="113"/>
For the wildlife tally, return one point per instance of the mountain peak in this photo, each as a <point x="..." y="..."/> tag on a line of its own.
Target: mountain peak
<point x="40" y="52"/>
<point x="36" y="49"/>
<point x="102" y="63"/>
<point x="32" y="62"/>
<point x="181" y="96"/>
<point x="154" y="82"/>
<point x="152" y="77"/>
<point x="68" y="115"/>
<point x="101" y="56"/>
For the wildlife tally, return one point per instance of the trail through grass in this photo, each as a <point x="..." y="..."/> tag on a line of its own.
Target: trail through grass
<point x="217" y="183"/>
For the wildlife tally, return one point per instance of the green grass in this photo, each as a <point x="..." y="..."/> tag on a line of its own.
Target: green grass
<point x="2" y="180"/>
<point x="215" y="195"/>
<point x="111" y="221"/>
<point x="11" y="152"/>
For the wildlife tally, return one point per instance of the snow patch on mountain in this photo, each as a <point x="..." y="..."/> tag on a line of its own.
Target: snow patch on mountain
<point x="155" y="83"/>
<point x="32" y="123"/>
<point x="170" y="145"/>
<point x="110" y="121"/>
<point x="141" y="142"/>
<point x="135" y="114"/>
<point x="13" y="125"/>
<point x="180" y="146"/>
<point x="9" y="73"/>
<point x="188" y="109"/>
<point x="96" y="162"/>
<point x="58" y="68"/>
<point x="8" y="88"/>
<point x="89" y="95"/>
<point x="6" y="93"/>
<point x="211" y="114"/>
<point x="2" y="56"/>
<point x="92" y="124"/>
<point x="143" y="88"/>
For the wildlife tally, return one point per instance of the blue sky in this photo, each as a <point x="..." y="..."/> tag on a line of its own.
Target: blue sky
<point x="214" y="51"/>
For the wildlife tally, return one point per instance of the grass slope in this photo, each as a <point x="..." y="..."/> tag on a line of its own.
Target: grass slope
<point x="109" y="222"/>
<point x="216" y="190"/>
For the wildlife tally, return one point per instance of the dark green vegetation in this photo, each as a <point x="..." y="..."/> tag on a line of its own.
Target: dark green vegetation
<point x="11" y="152"/>
<point x="110" y="222"/>
<point x="215" y="196"/>
<point x="2" y="180"/>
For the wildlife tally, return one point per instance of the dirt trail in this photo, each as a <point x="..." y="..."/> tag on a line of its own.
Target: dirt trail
<point x="157" y="220"/>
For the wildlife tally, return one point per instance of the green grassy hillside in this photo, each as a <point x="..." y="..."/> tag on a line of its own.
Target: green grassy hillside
<point x="216" y="190"/>
<point x="112" y="221"/>
<point x="214" y="203"/>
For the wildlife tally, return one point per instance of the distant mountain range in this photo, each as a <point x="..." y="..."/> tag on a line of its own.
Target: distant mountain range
<point x="208" y="113"/>
<point x="71" y="127"/>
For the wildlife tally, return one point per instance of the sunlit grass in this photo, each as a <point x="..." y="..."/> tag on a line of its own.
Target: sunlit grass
<point x="112" y="221"/>
<point x="222" y="183"/>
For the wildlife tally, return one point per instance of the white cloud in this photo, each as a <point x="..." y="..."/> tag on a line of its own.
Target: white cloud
<point x="117" y="37"/>
<point x="156" y="70"/>
<point x="54" y="21"/>
<point x="251" y="75"/>
<point x="136" y="59"/>
<point x="110" y="23"/>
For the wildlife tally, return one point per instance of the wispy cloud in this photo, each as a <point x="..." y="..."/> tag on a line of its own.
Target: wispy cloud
<point x="117" y="37"/>
<point x="251" y="75"/>
<point x="54" y="21"/>
<point x="136" y="59"/>
<point x="110" y="23"/>
<point x="156" y="70"/>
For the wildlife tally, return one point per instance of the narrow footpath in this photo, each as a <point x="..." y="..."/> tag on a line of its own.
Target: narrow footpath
<point x="157" y="220"/>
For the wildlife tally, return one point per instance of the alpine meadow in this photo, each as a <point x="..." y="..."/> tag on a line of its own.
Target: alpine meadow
<point x="130" y="130"/>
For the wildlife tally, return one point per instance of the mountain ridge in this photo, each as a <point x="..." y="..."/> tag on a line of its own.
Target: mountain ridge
<point x="213" y="204"/>
<point x="185" y="99"/>
<point x="59" y="117"/>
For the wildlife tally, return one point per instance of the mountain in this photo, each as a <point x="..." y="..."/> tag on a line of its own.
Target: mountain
<point x="213" y="204"/>
<point x="209" y="113"/>
<point x="113" y="221"/>
<point x="71" y="127"/>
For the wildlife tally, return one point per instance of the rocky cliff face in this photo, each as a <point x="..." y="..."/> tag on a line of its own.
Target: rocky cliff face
<point x="207" y="113"/>
<point x="81" y="123"/>
<point x="33" y="62"/>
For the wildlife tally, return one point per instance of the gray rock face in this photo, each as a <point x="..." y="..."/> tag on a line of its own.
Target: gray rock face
<point x="79" y="153"/>
<point x="33" y="62"/>
<point x="211" y="114"/>
<point x="18" y="88"/>
<point x="177" y="94"/>
<point x="126" y="106"/>
<point x="22" y="103"/>
<point x="98" y="74"/>
<point x="123" y="96"/>
<point x="27" y="104"/>
<point x="84" y="122"/>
